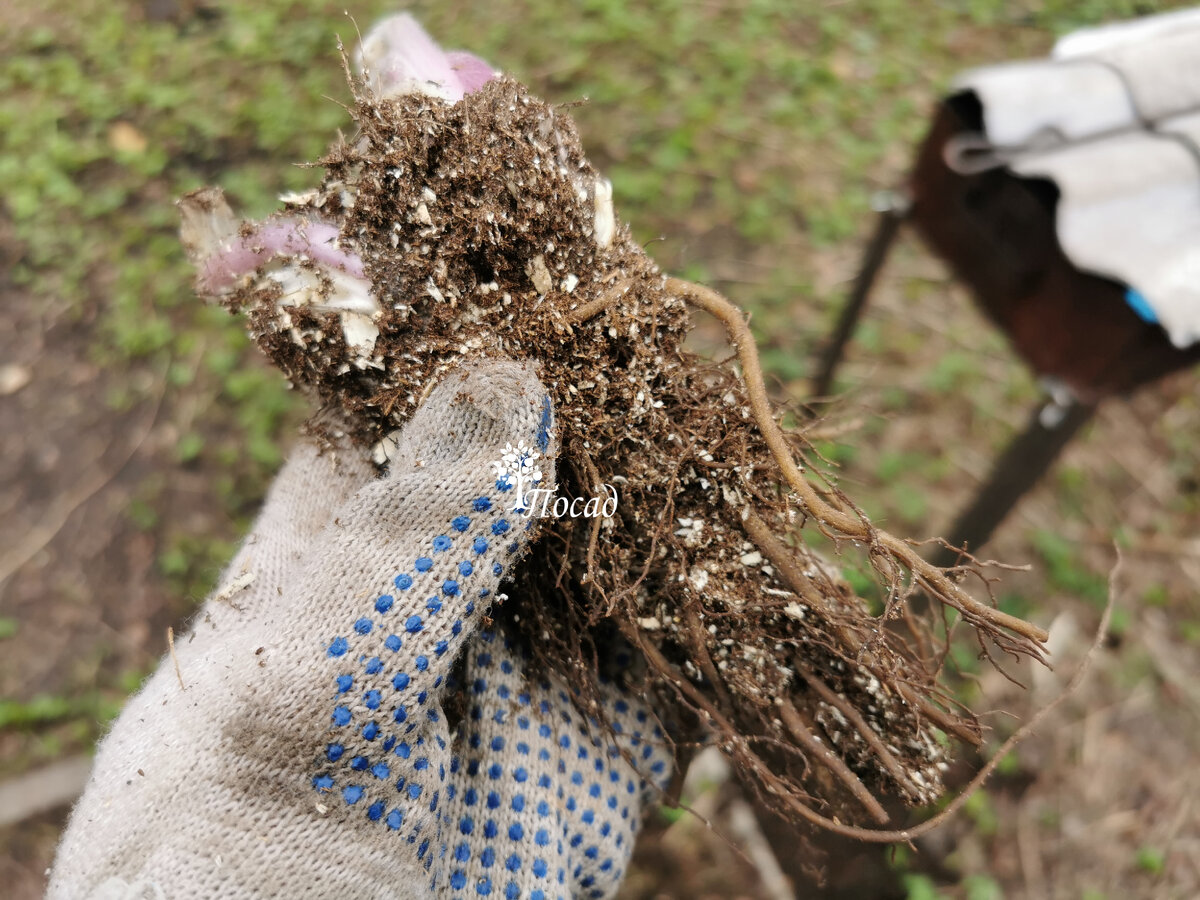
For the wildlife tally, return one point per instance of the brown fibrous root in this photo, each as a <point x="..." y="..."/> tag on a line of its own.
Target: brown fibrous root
<point x="477" y="225"/>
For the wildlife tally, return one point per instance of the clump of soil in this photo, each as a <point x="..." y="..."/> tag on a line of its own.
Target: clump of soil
<point x="478" y="229"/>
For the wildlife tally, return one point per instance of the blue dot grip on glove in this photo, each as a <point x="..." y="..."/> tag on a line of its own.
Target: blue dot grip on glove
<point x="547" y="804"/>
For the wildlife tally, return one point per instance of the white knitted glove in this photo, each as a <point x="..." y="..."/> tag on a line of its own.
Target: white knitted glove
<point x="297" y="746"/>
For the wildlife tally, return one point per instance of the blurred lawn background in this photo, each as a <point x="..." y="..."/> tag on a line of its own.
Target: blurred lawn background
<point x="744" y="139"/>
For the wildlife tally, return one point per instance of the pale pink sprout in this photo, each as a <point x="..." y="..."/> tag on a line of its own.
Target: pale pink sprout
<point x="398" y="57"/>
<point x="317" y="241"/>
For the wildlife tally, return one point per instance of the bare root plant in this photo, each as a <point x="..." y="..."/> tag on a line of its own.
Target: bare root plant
<point x="443" y="233"/>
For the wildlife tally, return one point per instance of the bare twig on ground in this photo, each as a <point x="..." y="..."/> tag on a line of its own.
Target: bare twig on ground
<point x="41" y="790"/>
<point x="744" y="827"/>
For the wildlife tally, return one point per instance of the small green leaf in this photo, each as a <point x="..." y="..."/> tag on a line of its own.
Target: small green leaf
<point x="1152" y="860"/>
<point x="189" y="447"/>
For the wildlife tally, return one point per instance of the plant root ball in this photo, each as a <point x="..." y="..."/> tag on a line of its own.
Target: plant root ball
<point x="478" y="229"/>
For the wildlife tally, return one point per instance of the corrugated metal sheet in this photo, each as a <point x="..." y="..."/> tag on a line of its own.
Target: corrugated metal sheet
<point x="1113" y="118"/>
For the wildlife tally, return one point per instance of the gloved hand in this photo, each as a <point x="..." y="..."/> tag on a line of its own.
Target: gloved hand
<point x="295" y="744"/>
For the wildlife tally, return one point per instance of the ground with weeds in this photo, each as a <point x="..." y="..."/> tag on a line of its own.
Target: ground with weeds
<point x="744" y="140"/>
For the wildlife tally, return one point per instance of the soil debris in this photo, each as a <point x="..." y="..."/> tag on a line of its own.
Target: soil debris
<point x="445" y="232"/>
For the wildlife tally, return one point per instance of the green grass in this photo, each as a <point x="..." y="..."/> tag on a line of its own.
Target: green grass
<point x="44" y="708"/>
<point x="1066" y="570"/>
<point x="1151" y="860"/>
<point x="772" y="119"/>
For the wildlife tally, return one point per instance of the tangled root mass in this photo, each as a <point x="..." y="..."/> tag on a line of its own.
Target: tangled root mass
<point x="483" y="231"/>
